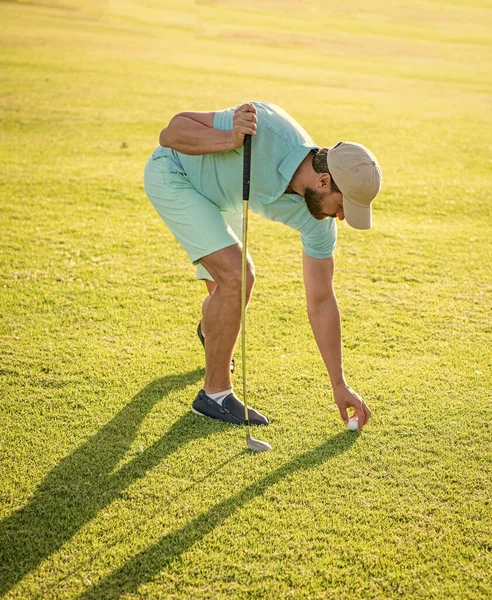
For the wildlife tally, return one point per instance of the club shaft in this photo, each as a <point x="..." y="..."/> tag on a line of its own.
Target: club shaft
<point x="243" y="301"/>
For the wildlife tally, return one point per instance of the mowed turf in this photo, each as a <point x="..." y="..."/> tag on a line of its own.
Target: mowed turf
<point x="110" y="487"/>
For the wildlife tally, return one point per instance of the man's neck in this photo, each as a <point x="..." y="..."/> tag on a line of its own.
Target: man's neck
<point x="302" y="176"/>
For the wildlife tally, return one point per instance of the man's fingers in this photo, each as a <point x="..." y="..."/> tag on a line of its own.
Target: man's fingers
<point x="367" y="413"/>
<point x="246" y="127"/>
<point x="245" y="119"/>
<point x="247" y="116"/>
<point x="246" y="111"/>
<point x="247" y="107"/>
<point x="363" y="414"/>
<point x="247" y="130"/>
<point x="343" y="414"/>
<point x="248" y="119"/>
<point x="359" y="413"/>
<point x="346" y="399"/>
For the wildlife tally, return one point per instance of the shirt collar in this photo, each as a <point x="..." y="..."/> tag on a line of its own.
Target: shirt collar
<point x="293" y="160"/>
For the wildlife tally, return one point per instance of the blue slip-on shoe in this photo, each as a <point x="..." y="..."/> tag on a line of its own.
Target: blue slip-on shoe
<point x="231" y="410"/>
<point x="202" y="340"/>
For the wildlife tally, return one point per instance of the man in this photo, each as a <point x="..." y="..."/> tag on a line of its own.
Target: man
<point x="193" y="179"/>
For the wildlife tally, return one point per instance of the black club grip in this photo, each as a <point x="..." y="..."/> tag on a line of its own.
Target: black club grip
<point x="246" y="166"/>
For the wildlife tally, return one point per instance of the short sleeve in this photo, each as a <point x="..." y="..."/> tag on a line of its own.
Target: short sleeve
<point x="223" y="119"/>
<point x="319" y="238"/>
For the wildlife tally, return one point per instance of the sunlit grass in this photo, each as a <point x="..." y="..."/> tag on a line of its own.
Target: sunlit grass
<point x="110" y="487"/>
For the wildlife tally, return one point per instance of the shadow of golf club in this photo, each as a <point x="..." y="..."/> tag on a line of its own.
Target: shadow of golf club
<point x="85" y="482"/>
<point x="147" y="564"/>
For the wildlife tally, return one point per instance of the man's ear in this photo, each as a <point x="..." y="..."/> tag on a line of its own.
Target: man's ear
<point x="324" y="181"/>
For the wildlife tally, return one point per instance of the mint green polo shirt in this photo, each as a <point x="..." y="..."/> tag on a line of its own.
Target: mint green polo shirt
<point x="278" y="148"/>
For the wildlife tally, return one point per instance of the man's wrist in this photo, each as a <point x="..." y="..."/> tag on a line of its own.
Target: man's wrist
<point x="338" y="384"/>
<point x="224" y="140"/>
<point x="230" y="141"/>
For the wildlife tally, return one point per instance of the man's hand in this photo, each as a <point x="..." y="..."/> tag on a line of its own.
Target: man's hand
<point x="345" y="398"/>
<point x="244" y="123"/>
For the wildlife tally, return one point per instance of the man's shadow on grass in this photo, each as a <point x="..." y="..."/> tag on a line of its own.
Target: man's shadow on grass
<point x="144" y="566"/>
<point x="85" y="482"/>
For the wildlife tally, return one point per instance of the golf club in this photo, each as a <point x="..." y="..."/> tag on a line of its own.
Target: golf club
<point x="253" y="444"/>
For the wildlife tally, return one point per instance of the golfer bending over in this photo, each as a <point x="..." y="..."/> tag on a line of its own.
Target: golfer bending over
<point x="193" y="179"/>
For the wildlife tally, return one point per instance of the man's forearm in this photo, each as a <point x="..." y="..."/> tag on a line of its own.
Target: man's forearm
<point x="191" y="137"/>
<point x="324" y="317"/>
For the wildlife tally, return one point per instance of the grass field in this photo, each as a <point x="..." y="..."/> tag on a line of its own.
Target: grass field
<point x="109" y="486"/>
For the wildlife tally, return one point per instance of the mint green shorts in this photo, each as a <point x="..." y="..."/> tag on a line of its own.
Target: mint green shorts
<point x="195" y="221"/>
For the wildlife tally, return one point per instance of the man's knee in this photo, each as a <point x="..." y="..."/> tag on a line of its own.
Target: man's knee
<point x="233" y="280"/>
<point x="226" y="269"/>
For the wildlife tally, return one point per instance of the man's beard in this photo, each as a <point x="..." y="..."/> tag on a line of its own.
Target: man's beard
<point x="313" y="201"/>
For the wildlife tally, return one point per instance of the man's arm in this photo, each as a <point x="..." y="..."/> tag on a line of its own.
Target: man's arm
<point x="324" y="316"/>
<point x="193" y="133"/>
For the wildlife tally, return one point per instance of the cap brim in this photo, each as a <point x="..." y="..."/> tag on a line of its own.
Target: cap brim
<point x="359" y="217"/>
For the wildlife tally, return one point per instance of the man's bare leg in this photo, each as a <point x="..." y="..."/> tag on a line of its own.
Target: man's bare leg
<point x="222" y="314"/>
<point x="211" y="285"/>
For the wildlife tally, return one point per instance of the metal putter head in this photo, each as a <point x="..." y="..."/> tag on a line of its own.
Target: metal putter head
<point x="257" y="445"/>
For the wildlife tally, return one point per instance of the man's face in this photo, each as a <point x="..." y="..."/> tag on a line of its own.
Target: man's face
<point x="324" y="204"/>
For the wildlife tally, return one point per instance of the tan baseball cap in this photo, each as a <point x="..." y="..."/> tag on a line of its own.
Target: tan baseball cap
<point x="357" y="174"/>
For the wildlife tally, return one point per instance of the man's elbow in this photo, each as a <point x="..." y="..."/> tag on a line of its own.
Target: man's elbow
<point x="167" y="135"/>
<point x="164" y="138"/>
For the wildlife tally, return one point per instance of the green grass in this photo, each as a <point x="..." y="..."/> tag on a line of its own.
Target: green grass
<point x="110" y="487"/>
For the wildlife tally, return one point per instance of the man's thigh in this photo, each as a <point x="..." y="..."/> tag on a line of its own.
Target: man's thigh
<point x="234" y="222"/>
<point x="195" y="221"/>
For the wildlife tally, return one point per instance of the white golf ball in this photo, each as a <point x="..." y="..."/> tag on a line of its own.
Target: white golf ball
<point x="353" y="424"/>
